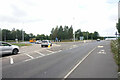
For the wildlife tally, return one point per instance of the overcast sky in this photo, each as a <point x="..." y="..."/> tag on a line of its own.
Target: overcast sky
<point x="40" y="16"/>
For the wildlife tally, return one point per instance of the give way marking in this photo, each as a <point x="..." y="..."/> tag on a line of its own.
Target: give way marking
<point x="101" y="52"/>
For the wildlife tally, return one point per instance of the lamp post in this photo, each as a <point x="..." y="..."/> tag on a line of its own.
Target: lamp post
<point x="22" y="35"/>
<point x="74" y="31"/>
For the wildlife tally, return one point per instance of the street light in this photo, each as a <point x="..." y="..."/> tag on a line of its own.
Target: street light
<point x="22" y="35"/>
<point x="74" y="31"/>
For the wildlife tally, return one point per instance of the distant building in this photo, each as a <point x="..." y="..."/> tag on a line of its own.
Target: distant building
<point x="119" y="10"/>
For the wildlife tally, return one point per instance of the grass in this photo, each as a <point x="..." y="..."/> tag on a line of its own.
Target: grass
<point x="114" y="49"/>
<point x="21" y="44"/>
<point x="70" y="40"/>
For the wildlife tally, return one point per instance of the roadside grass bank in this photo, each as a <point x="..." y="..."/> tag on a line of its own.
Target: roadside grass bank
<point x="116" y="49"/>
<point x="73" y="40"/>
<point x="69" y="40"/>
<point x="20" y="45"/>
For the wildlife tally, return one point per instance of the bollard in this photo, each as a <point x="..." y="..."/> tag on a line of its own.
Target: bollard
<point x="49" y="46"/>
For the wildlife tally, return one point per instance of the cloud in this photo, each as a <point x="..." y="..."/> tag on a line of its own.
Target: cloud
<point x="90" y="15"/>
<point x="18" y="12"/>
<point x="9" y="19"/>
<point x="112" y="1"/>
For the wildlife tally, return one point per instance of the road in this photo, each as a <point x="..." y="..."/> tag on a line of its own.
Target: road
<point x="82" y="60"/>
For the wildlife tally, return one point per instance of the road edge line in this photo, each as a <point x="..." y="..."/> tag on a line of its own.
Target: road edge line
<point x="78" y="64"/>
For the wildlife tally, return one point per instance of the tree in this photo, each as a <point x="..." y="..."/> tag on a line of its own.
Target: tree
<point x="55" y="34"/>
<point x="78" y="34"/>
<point x="6" y="34"/>
<point x="65" y="32"/>
<point x="31" y="35"/>
<point x="51" y="35"/>
<point x="95" y="35"/>
<point x="70" y="33"/>
<point x="60" y="33"/>
<point x="85" y="35"/>
<point x="118" y="26"/>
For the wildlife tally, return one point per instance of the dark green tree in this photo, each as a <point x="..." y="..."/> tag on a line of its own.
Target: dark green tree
<point x="60" y="33"/>
<point x="95" y="35"/>
<point x="118" y="26"/>
<point x="70" y="33"/>
<point x="78" y="34"/>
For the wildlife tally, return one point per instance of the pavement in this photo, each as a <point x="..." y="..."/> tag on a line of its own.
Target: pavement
<point x="63" y="60"/>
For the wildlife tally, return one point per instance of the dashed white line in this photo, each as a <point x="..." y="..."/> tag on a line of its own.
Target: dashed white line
<point x="11" y="60"/>
<point x="78" y="63"/>
<point x="39" y="53"/>
<point x="29" y="55"/>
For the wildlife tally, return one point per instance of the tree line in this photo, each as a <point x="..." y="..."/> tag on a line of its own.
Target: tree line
<point x="86" y="35"/>
<point x="17" y="34"/>
<point x="62" y="33"/>
<point x="66" y="33"/>
<point x="59" y="32"/>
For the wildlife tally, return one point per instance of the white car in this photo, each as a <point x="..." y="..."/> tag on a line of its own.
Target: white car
<point x="38" y="42"/>
<point x="46" y="43"/>
<point x="7" y="48"/>
<point x="98" y="39"/>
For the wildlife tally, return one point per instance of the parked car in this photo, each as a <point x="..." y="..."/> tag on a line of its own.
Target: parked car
<point x="7" y="48"/>
<point x="38" y="42"/>
<point x="46" y="43"/>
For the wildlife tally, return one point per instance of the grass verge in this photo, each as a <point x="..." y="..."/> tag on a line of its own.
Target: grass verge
<point x="115" y="50"/>
<point x="21" y="44"/>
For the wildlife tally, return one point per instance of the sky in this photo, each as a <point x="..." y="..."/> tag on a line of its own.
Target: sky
<point x="40" y="16"/>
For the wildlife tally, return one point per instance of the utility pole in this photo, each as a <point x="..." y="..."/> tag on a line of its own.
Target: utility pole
<point x="0" y="34"/>
<point x="119" y="41"/>
<point x="5" y="36"/>
<point x="74" y="36"/>
<point x="22" y="35"/>
<point x="74" y="31"/>
<point x="119" y="9"/>
<point x="87" y="35"/>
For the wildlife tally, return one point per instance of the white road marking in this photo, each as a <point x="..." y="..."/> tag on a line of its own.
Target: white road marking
<point x="70" y="48"/>
<point x="31" y="59"/>
<point x="38" y="57"/>
<point x="100" y="46"/>
<point x="27" y="60"/>
<point x="11" y="60"/>
<point x="74" y="46"/>
<point x="29" y="55"/>
<point x="78" y="63"/>
<point x="101" y="52"/>
<point x="39" y="53"/>
<point x="59" y="51"/>
<point x="49" y="51"/>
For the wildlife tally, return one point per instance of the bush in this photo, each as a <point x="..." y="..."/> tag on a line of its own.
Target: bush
<point x="116" y="49"/>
